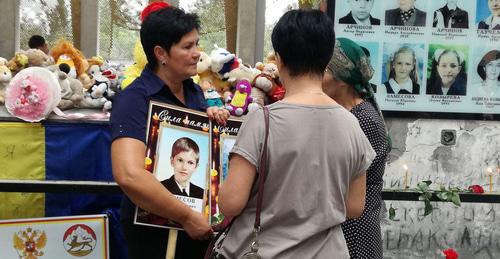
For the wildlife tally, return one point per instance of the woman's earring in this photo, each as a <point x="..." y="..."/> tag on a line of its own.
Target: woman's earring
<point x="163" y="63"/>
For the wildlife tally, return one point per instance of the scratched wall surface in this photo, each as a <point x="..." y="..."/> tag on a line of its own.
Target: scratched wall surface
<point x="472" y="229"/>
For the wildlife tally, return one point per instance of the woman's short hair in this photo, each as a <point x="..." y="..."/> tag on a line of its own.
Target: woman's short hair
<point x="487" y="58"/>
<point x="164" y="28"/>
<point x="413" y="72"/>
<point x="304" y="41"/>
<point x="185" y="144"/>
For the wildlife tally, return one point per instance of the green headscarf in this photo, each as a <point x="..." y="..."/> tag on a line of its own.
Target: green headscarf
<point x="350" y="63"/>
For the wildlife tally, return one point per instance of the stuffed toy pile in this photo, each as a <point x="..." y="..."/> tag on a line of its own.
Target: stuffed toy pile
<point x="243" y="88"/>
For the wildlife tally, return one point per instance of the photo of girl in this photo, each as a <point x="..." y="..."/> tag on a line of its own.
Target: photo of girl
<point x="488" y="70"/>
<point x="448" y="66"/>
<point x="488" y="14"/>
<point x="402" y="69"/>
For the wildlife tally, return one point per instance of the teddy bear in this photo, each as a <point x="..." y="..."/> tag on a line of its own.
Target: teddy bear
<point x="240" y="73"/>
<point x="76" y="97"/>
<point x="269" y="80"/>
<point x="71" y="89"/>
<point x="5" y="77"/>
<point x="37" y="58"/>
<point x="266" y="79"/>
<point x="262" y="84"/>
<point x="239" y="101"/>
<point x="17" y="63"/>
<point x="208" y="79"/>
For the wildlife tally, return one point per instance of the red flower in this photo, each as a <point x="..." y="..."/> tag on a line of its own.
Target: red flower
<point x="476" y="188"/>
<point x="154" y="6"/>
<point x="450" y="253"/>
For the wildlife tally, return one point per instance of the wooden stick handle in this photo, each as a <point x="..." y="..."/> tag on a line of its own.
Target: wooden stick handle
<point x="172" y="243"/>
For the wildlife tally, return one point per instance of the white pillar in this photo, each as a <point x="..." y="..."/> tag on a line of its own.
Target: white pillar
<point x="89" y="43"/>
<point x="9" y="34"/>
<point x="250" y="30"/>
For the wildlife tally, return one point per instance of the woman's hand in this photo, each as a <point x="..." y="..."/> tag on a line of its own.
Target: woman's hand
<point x="219" y="114"/>
<point x="196" y="226"/>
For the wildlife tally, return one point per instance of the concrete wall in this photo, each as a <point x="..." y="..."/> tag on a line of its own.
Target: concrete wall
<point x="472" y="229"/>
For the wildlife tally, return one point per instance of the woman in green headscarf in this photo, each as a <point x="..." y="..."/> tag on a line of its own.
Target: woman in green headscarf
<point x="346" y="80"/>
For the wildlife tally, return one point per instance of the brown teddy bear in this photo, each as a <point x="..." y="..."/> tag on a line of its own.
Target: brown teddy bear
<point x="71" y="89"/>
<point x="37" y="58"/>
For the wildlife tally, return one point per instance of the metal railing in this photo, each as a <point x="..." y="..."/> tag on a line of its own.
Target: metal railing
<point x="60" y="186"/>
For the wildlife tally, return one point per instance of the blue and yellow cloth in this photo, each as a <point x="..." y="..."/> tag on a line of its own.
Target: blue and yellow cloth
<point x="59" y="151"/>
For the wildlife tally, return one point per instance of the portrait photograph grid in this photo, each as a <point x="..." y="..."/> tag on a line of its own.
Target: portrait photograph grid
<point x="438" y="56"/>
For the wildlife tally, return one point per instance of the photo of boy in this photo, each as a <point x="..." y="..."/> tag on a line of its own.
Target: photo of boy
<point x="451" y="16"/>
<point x="184" y="159"/>
<point x="360" y="13"/>
<point x="405" y="14"/>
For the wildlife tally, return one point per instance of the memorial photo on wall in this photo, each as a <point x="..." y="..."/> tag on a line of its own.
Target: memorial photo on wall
<point x="405" y="13"/>
<point x="446" y="70"/>
<point x="372" y="51"/>
<point x="488" y="14"/>
<point x="359" y="12"/>
<point x="486" y="80"/>
<point x="429" y="57"/>
<point x="452" y="14"/>
<point x="402" y="68"/>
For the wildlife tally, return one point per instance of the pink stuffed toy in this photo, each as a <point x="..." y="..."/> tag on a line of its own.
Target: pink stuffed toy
<point x="238" y="102"/>
<point x="32" y="94"/>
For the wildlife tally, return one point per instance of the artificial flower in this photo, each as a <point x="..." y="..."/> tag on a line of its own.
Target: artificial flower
<point x="476" y="188"/>
<point x="450" y="253"/>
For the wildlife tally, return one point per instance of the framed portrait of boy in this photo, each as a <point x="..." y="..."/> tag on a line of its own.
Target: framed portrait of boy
<point x="178" y="155"/>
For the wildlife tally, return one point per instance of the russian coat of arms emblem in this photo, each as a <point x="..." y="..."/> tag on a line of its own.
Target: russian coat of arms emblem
<point x="29" y="243"/>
